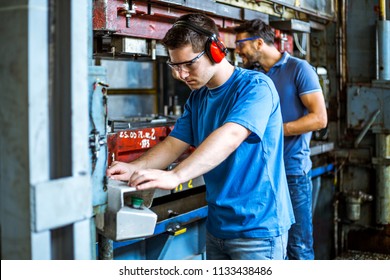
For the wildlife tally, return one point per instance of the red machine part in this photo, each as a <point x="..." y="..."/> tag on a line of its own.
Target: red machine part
<point x="284" y="41"/>
<point x="143" y="21"/>
<point x="128" y="145"/>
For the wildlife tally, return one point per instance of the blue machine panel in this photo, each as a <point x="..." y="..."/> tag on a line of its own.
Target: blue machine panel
<point x="98" y="132"/>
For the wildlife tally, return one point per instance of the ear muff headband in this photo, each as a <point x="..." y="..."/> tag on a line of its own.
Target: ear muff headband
<point x="214" y="48"/>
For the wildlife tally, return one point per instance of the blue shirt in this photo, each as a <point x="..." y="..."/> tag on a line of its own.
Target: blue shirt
<point x="247" y="193"/>
<point x="294" y="77"/>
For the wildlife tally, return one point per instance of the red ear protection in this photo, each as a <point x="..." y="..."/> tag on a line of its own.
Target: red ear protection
<point x="214" y="48"/>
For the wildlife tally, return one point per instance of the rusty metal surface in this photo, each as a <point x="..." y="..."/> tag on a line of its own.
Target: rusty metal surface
<point x="127" y="145"/>
<point x="360" y="255"/>
<point x="370" y="240"/>
<point x="363" y="102"/>
<point x="143" y="23"/>
<point x="288" y="8"/>
<point x="151" y="21"/>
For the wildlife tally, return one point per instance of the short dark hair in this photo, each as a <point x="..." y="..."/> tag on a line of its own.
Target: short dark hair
<point x="257" y="28"/>
<point x="180" y="36"/>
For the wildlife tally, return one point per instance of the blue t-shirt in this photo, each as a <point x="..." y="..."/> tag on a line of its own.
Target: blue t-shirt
<point x="247" y="193"/>
<point x="294" y="77"/>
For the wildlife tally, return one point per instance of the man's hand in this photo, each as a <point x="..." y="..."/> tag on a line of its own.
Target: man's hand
<point x="120" y="171"/>
<point x="144" y="179"/>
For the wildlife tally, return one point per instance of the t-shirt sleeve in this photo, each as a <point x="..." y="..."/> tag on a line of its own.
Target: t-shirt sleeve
<point x="307" y="79"/>
<point x="253" y="107"/>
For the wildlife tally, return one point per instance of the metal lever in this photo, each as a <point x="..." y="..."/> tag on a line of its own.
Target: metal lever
<point x="366" y="127"/>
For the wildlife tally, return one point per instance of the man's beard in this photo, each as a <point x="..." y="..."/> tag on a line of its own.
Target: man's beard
<point x="254" y="66"/>
<point x="251" y="65"/>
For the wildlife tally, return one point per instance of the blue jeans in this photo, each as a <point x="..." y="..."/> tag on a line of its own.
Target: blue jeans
<point x="300" y="235"/>
<point x="272" y="248"/>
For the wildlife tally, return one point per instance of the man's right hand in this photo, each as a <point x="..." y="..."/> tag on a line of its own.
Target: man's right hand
<point x="120" y="171"/>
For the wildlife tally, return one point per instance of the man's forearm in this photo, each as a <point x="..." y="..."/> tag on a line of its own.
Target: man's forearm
<point x="309" y="122"/>
<point x="162" y="155"/>
<point x="316" y="118"/>
<point x="214" y="149"/>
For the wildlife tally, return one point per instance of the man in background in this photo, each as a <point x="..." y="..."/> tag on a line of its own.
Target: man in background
<point x="303" y="110"/>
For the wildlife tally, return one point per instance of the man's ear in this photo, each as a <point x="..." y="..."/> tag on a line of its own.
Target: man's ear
<point x="259" y="43"/>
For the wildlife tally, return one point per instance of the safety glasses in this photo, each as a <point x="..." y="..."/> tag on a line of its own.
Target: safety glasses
<point x="185" y="66"/>
<point x="239" y="42"/>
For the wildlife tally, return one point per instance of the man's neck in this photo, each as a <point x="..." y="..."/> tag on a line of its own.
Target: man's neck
<point x="224" y="72"/>
<point x="269" y="60"/>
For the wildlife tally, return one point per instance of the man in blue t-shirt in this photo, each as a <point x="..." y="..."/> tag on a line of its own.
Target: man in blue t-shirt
<point x="303" y="110"/>
<point x="233" y="119"/>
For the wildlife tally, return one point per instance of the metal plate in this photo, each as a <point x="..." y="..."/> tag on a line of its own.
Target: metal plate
<point x="362" y="104"/>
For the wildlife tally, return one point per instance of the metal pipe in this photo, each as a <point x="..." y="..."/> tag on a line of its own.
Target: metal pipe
<point x="383" y="27"/>
<point x="382" y="44"/>
<point x="341" y="42"/>
<point x="383" y="179"/>
<point x="377" y="52"/>
<point x="382" y="9"/>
